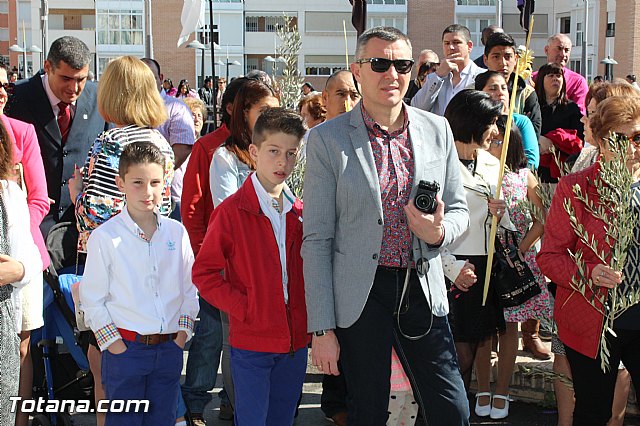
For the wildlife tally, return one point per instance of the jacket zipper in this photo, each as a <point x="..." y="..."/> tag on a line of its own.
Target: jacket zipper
<point x="286" y="305"/>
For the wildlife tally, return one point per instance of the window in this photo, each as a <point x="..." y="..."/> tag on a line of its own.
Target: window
<point x="252" y="64"/>
<point x="251" y="24"/>
<point x="576" y="65"/>
<point x="579" y="34"/>
<point x="120" y="27"/>
<point x="611" y="29"/>
<point x="204" y="35"/>
<point x="386" y="2"/>
<point x="476" y="25"/>
<point x="269" y="23"/>
<point x="324" y="65"/>
<point x="399" y="22"/>
<point x="565" y="25"/>
<point x="476" y="2"/>
<point x="511" y="25"/>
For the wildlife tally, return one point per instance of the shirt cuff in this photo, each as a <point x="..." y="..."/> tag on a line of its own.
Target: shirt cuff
<point x="440" y="241"/>
<point x="186" y="324"/>
<point x="106" y="335"/>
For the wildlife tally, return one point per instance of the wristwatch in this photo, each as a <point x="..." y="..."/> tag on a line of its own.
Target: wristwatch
<point x="322" y="332"/>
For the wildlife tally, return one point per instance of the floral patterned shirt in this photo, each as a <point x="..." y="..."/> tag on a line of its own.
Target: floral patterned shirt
<point x="100" y="198"/>
<point x="393" y="155"/>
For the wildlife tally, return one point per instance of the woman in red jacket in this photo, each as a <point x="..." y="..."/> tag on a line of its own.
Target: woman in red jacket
<point x="579" y="323"/>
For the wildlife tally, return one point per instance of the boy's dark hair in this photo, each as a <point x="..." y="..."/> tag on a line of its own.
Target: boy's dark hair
<point x="278" y="120"/>
<point x="460" y="29"/>
<point x="499" y="39"/>
<point x="470" y="113"/>
<point x="516" y="158"/>
<point x="140" y="153"/>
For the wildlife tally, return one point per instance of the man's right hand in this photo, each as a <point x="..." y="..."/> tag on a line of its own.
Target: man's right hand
<point x="325" y="352"/>
<point x="117" y="347"/>
<point x="450" y="64"/>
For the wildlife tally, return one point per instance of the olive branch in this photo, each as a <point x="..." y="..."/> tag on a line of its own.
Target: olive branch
<point x="613" y="208"/>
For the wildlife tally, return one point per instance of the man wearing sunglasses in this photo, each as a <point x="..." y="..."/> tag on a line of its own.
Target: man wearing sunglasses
<point x="455" y="73"/>
<point x="428" y="61"/>
<point x="372" y="269"/>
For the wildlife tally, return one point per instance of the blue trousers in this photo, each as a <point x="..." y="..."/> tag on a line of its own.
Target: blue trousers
<point x="204" y="359"/>
<point x="144" y="372"/>
<point x="267" y="386"/>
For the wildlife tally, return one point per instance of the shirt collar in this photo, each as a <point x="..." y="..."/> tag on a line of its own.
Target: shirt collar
<point x="467" y="70"/>
<point x="266" y="200"/>
<point x="53" y="100"/>
<point x="372" y="125"/>
<point x="133" y="226"/>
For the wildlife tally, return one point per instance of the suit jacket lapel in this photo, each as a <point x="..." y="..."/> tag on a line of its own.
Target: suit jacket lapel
<point x="362" y="147"/>
<point x="81" y="113"/>
<point x="417" y="138"/>
<point x="42" y="111"/>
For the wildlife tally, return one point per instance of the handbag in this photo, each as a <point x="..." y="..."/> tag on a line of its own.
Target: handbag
<point x="511" y="276"/>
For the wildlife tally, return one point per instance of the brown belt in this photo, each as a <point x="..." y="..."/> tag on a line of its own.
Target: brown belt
<point x="147" y="339"/>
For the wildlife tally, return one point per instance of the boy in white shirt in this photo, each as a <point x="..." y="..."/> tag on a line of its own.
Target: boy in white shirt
<point x="137" y="294"/>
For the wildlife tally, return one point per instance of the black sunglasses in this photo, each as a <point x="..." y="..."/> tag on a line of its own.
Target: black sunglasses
<point x="403" y="66"/>
<point x="6" y="86"/>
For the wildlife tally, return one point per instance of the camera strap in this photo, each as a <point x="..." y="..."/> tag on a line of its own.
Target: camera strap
<point x="420" y="268"/>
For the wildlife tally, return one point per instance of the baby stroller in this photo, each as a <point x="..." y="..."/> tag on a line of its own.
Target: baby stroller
<point x="60" y="365"/>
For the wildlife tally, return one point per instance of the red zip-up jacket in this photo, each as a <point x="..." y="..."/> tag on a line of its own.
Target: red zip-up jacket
<point x="579" y="323"/>
<point x="196" y="204"/>
<point x="238" y="271"/>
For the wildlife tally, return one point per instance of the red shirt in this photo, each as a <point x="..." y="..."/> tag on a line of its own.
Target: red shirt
<point x="393" y="155"/>
<point x="197" y="206"/>
<point x="238" y="271"/>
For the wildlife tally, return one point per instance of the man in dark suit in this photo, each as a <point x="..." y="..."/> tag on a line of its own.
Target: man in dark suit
<point x="62" y="107"/>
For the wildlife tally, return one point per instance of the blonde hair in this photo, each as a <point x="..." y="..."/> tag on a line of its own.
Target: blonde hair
<point x="194" y="104"/>
<point x="128" y="94"/>
<point x="612" y="113"/>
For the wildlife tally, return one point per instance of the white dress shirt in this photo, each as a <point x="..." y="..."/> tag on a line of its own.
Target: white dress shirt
<point x="135" y="284"/>
<point x="436" y="91"/>
<point x="278" y="221"/>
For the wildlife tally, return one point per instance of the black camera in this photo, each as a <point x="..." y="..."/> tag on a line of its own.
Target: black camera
<point x="425" y="199"/>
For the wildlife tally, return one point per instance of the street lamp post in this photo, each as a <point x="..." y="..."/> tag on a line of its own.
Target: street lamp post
<point x="608" y="67"/>
<point x="195" y="44"/>
<point x="231" y="63"/>
<point x="19" y="49"/>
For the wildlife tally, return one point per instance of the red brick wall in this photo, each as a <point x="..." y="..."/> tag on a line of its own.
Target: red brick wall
<point x="177" y="63"/>
<point x="426" y="19"/>
<point x="627" y="38"/>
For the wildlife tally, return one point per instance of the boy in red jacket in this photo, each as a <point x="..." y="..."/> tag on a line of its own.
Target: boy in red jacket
<point x="250" y="266"/>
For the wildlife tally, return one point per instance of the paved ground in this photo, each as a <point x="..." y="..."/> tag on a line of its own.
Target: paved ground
<point x="521" y="414"/>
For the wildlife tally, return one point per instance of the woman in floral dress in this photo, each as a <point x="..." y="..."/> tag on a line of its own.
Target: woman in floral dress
<point x="518" y="188"/>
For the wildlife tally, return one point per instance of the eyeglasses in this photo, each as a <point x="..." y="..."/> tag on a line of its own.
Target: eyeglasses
<point x="496" y="142"/>
<point x="634" y="139"/>
<point x="6" y="86"/>
<point x="403" y="66"/>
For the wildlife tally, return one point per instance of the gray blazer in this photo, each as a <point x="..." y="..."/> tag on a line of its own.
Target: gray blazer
<point x="343" y="220"/>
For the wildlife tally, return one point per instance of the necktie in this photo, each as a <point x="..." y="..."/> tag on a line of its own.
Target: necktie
<point x="64" y="120"/>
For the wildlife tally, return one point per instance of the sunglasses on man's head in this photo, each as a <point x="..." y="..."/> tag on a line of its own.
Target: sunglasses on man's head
<point x="402" y="66"/>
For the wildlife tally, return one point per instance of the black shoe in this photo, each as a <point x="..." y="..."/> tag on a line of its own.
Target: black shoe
<point x="226" y="412"/>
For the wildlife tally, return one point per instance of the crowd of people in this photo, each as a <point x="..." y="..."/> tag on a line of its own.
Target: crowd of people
<point x="188" y="237"/>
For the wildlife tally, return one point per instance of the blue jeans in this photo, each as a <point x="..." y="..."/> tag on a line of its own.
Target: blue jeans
<point x="203" y="360"/>
<point x="267" y="386"/>
<point x="144" y="372"/>
<point x="430" y="363"/>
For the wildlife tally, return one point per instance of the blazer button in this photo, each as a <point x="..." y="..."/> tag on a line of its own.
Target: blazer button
<point x="375" y="256"/>
<point x="65" y="153"/>
<point x="379" y="221"/>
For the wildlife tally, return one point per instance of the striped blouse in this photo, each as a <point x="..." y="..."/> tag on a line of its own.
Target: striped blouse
<point x="100" y="198"/>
